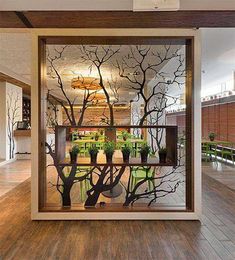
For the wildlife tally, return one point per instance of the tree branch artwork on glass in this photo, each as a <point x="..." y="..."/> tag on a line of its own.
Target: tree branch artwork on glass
<point x="13" y="116"/>
<point x="148" y="80"/>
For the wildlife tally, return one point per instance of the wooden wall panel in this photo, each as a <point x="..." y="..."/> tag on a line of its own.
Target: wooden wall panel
<point x="205" y="119"/>
<point x="93" y="116"/>
<point x="219" y="119"/>
<point x="211" y="119"/>
<point x="223" y="121"/>
<point x="231" y="122"/>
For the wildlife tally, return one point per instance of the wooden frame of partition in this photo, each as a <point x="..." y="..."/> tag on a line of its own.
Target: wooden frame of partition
<point x="188" y="40"/>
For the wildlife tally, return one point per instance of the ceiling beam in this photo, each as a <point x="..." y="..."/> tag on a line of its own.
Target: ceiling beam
<point x="10" y="20"/>
<point x="24" y="19"/>
<point x="25" y="87"/>
<point x="125" y="19"/>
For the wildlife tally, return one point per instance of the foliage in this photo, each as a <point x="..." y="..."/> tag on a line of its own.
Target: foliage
<point x="145" y="148"/>
<point x="93" y="149"/>
<point x="163" y="150"/>
<point x="126" y="149"/>
<point x="109" y="147"/>
<point x="75" y="150"/>
<point x="125" y="135"/>
<point x="212" y="135"/>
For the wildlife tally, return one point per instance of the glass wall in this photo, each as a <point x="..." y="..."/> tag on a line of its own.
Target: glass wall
<point x="109" y="140"/>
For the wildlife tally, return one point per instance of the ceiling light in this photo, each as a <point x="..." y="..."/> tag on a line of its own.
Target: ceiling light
<point x="86" y="83"/>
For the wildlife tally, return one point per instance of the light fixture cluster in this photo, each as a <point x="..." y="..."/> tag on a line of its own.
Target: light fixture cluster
<point x="86" y="83"/>
<point x="92" y="84"/>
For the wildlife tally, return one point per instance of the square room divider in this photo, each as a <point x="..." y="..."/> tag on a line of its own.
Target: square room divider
<point x="104" y="143"/>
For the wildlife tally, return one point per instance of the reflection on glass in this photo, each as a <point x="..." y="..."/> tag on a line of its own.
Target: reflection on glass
<point x="112" y="134"/>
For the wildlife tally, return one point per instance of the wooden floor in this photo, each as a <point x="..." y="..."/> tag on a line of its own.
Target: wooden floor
<point x="213" y="238"/>
<point x="222" y="172"/>
<point x="12" y="174"/>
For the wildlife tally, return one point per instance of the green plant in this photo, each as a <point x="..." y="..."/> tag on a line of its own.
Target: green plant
<point x="162" y="150"/>
<point x="125" y="135"/>
<point x="93" y="149"/>
<point x="126" y="149"/>
<point x="212" y="135"/>
<point x="74" y="150"/>
<point x="109" y="148"/>
<point x="145" y="149"/>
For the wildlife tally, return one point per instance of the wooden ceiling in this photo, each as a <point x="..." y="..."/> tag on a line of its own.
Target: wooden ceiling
<point x="116" y="19"/>
<point x="25" y="87"/>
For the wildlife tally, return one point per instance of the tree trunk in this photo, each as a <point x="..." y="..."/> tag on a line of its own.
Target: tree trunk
<point x="111" y="114"/>
<point x="66" y="200"/>
<point x="92" y="199"/>
<point x="81" y="116"/>
<point x="128" y="201"/>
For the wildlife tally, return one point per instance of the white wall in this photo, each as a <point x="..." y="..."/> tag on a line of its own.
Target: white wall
<point x="218" y="60"/>
<point x="15" y="55"/>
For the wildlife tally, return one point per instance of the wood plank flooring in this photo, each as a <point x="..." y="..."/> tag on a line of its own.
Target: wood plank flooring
<point x="222" y="172"/>
<point x="12" y="174"/>
<point x="213" y="238"/>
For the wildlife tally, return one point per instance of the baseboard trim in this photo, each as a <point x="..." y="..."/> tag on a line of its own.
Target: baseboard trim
<point x="7" y="161"/>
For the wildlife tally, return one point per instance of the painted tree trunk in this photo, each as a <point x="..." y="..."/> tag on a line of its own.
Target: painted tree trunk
<point x="66" y="200"/>
<point x="128" y="201"/>
<point x="92" y="199"/>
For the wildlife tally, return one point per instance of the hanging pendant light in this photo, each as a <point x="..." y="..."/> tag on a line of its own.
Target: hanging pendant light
<point x="86" y="83"/>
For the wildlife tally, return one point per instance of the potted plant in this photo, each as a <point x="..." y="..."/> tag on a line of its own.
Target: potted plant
<point x="152" y="154"/>
<point x="125" y="135"/>
<point x="162" y="154"/>
<point x="74" y="151"/>
<point x="212" y="136"/>
<point x="97" y="136"/>
<point x="144" y="152"/>
<point x="126" y="151"/>
<point x="109" y="148"/>
<point x="93" y="151"/>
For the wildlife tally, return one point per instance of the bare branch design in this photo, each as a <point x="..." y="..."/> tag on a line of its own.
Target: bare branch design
<point x="13" y="113"/>
<point x="163" y="184"/>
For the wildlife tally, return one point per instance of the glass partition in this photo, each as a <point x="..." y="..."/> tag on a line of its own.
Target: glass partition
<point x="108" y="141"/>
